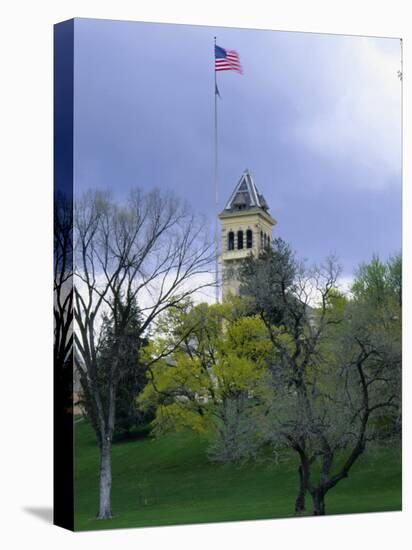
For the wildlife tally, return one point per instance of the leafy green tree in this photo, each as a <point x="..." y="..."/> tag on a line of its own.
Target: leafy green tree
<point x="378" y="283"/>
<point x="208" y="383"/>
<point x="395" y="276"/>
<point x="377" y="291"/>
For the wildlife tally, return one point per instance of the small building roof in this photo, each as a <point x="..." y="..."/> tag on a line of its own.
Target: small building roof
<point x="246" y="196"/>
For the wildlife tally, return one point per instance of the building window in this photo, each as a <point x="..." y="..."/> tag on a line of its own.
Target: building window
<point x="249" y="238"/>
<point x="240" y="240"/>
<point x="261" y="239"/>
<point x="231" y="241"/>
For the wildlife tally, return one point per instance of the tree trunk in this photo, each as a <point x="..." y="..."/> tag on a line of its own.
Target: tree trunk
<point x="105" y="506"/>
<point x="300" y="500"/>
<point x="318" y="497"/>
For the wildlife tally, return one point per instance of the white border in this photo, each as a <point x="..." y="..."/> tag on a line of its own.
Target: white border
<point x="26" y="274"/>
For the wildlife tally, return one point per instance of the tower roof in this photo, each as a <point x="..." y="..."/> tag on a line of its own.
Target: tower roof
<point x="246" y="196"/>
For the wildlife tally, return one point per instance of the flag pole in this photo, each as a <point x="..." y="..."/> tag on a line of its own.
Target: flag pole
<point x="216" y="187"/>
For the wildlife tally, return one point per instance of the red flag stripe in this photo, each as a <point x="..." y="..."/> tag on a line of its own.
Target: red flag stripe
<point x="229" y="63"/>
<point x="218" y="65"/>
<point x="232" y="62"/>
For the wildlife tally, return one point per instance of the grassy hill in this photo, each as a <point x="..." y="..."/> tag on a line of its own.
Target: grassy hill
<point x="169" y="481"/>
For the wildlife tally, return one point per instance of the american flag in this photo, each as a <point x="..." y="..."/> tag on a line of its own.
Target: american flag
<point x="227" y="60"/>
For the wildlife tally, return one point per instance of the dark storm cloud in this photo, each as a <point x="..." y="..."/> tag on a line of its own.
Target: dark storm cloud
<point x="314" y="118"/>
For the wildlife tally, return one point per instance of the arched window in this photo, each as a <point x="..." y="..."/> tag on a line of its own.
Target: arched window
<point x="249" y="238"/>
<point x="261" y="239"/>
<point x="231" y="241"/>
<point x="240" y="239"/>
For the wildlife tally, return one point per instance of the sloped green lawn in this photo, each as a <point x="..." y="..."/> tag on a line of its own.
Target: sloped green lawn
<point x="169" y="481"/>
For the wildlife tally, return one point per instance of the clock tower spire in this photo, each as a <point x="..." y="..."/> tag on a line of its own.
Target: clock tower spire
<point x="246" y="229"/>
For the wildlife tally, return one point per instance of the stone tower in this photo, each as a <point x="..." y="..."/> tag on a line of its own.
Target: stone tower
<point x="246" y="229"/>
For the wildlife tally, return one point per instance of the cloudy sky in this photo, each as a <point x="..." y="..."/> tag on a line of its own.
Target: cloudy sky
<point x="315" y="118"/>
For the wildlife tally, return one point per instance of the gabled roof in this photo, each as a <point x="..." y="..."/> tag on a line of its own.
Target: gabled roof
<point x="246" y="195"/>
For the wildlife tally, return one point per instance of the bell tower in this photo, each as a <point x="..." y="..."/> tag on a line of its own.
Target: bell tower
<point x="246" y="229"/>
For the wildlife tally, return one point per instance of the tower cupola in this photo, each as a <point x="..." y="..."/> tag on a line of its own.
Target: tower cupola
<point x="246" y="229"/>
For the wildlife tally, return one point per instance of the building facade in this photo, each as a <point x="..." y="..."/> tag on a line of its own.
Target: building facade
<point x="246" y="228"/>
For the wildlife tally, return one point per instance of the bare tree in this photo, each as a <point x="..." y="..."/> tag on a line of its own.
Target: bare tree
<point x="152" y="251"/>
<point x="63" y="353"/>
<point x="63" y="300"/>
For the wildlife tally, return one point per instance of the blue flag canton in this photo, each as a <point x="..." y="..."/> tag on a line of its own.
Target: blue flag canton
<point x="220" y="53"/>
<point x="227" y="60"/>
